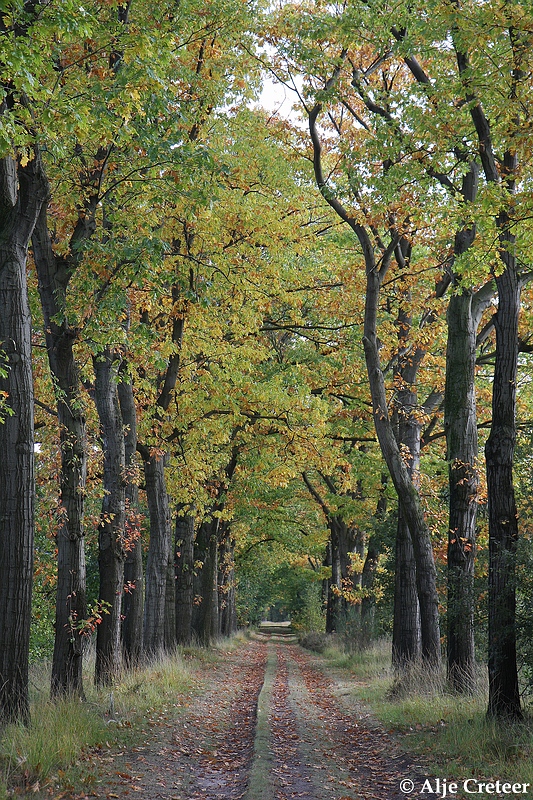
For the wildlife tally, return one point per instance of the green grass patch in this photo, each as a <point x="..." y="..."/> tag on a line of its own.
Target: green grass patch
<point x="29" y="756"/>
<point x="155" y="686"/>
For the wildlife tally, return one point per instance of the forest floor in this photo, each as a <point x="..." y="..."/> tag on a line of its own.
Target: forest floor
<point x="270" y="722"/>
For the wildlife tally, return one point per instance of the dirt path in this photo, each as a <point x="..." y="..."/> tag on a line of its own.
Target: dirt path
<point x="270" y="725"/>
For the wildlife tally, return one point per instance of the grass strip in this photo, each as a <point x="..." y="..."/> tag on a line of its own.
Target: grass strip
<point x="259" y="784"/>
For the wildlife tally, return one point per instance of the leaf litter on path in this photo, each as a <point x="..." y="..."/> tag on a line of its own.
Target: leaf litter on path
<point x="320" y="745"/>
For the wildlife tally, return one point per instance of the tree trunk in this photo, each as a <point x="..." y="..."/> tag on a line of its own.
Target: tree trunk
<point x="170" y="603"/>
<point x="184" y="577"/>
<point x="406" y="634"/>
<point x="208" y="617"/>
<point x="71" y="601"/>
<point x="112" y="523"/>
<point x="461" y="437"/>
<point x="368" y="603"/>
<point x="158" y="553"/>
<point x="504" y="696"/>
<point x="226" y="585"/>
<point x="460" y="422"/>
<point x="133" y="600"/>
<point x="22" y="193"/>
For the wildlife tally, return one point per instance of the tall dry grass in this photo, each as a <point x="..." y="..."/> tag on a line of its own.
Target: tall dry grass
<point x="31" y="757"/>
<point x="449" y="734"/>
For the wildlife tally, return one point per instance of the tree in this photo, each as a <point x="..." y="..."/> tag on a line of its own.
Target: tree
<point x="111" y="532"/>
<point x="504" y="696"/>
<point x="23" y="191"/>
<point x="54" y="274"/>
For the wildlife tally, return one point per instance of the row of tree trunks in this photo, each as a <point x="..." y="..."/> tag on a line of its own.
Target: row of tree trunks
<point x="408" y="498"/>
<point x="158" y="552"/>
<point x="226" y="585"/>
<point x="344" y="540"/>
<point x="504" y="696"/>
<point x="377" y="258"/>
<point x="206" y="622"/>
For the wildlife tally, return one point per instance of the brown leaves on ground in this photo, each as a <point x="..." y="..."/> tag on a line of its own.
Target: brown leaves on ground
<point x="322" y="746"/>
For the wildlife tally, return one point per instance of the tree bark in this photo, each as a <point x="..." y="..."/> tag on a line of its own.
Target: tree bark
<point x="158" y="553"/>
<point x="133" y="598"/>
<point x="111" y="531"/>
<point x="71" y="604"/>
<point x="22" y="194"/>
<point x="406" y="634"/>
<point x="406" y="631"/>
<point x="170" y="603"/>
<point x="184" y="577"/>
<point x="460" y="422"/>
<point x="226" y="585"/>
<point x="504" y="695"/>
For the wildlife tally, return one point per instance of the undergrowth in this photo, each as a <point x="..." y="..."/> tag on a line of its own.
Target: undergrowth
<point x="450" y="734"/>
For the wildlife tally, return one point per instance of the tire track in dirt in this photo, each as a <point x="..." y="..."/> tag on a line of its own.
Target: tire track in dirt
<point x="291" y="775"/>
<point x="359" y="756"/>
<point x="321" y="747"/>
<point x="204" y="752"/>
<point x="222" y="773"/>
